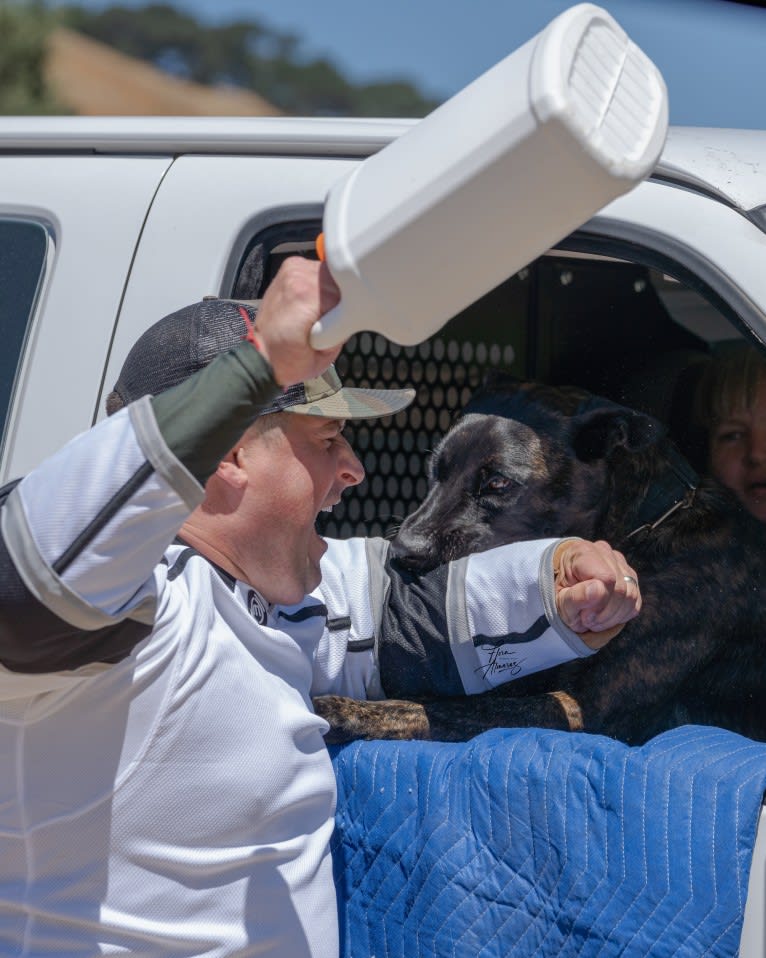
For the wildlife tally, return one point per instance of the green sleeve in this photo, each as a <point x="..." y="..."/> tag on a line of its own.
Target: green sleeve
<point x="203" y="417"/>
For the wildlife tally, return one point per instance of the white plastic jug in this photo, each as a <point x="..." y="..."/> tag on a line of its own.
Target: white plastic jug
<point x="492" y="179"/>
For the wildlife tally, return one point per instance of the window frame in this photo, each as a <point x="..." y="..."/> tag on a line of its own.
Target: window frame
<point x="32" y="300"/>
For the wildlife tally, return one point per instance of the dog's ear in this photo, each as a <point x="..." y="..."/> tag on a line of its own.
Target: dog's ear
<point x="598" y="433"/>
<point x="497" y="389"/>
<point x="499" y="380"/>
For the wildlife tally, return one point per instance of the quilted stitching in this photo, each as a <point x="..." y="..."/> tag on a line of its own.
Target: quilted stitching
<point x="537" y="843"/>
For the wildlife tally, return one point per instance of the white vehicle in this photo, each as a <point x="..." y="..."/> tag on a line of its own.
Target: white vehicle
<point x="107" y="224"/>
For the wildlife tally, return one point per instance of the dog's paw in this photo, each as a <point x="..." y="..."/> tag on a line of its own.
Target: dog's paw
<point x="350" y="719"/>
<point x="343" y="716"/>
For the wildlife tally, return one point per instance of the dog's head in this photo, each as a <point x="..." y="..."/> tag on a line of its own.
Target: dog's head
<point x="522" y="461"/>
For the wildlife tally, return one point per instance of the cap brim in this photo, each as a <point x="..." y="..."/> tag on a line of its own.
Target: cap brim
<point x="353" y="403"/>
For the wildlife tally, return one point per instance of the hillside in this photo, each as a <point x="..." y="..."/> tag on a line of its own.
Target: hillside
<point x="92" y="79"/>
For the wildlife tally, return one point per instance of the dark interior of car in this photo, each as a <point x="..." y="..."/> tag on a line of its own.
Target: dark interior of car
<point x="589" y="313"/>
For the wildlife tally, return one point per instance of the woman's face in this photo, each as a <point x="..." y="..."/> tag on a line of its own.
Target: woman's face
<point x="738" y="453"/>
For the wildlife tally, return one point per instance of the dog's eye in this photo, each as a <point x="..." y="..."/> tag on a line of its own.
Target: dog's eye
<point x="494" y="482"/>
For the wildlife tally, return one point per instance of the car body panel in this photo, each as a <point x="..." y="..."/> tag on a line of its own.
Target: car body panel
<point x="93" y="212"/>
<point x="241" y="196"/>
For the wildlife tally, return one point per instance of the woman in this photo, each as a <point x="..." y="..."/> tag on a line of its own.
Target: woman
<point x="730" y="406"/>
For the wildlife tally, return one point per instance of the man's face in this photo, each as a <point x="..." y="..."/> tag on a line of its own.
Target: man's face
<point x="738" y="453"/>
<point x="297" y="466"/>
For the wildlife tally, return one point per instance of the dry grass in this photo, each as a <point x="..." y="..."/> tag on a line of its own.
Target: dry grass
<point x="93" y="79"/>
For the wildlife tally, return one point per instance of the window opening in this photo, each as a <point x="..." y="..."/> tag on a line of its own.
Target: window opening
<point x="23" y="250"/>
<point x="589" y="317"/>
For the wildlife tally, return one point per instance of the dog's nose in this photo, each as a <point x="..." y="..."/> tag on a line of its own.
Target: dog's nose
<point x="412" y="553"/>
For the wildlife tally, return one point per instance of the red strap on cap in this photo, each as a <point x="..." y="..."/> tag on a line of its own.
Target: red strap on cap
<point x="251" y="336"/>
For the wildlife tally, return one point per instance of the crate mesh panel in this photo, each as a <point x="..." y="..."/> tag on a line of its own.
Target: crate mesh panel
<point x="395" y="451"/>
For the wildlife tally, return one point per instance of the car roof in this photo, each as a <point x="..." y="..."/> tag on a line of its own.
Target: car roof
<point x="175" y="135"/>
<point x="725" y="163"/>
<point x="729" y="164"/>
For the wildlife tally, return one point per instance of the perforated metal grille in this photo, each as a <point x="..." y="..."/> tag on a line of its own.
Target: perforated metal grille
<point x="444" y="371"/>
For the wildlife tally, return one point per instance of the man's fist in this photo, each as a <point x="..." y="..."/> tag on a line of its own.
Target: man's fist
<point x="597" y="591"/>
<point x="301" y="292"/>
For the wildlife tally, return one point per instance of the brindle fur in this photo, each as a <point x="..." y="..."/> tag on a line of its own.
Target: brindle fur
<point x="581" y="466"/>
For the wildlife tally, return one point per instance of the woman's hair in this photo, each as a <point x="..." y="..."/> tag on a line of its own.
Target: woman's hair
<point x="729" y="381"/>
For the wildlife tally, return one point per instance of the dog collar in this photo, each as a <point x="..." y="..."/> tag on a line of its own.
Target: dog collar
<point x="673" y="490"/>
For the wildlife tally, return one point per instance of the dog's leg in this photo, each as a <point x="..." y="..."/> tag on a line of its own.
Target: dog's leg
<point x="454" y="719"/>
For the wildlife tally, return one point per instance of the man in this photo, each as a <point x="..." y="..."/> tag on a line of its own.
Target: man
<point x="166" y="789"/>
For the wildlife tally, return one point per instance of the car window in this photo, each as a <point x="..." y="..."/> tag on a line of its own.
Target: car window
<point x="622" y="329"/>
<point x="23" y="250"/>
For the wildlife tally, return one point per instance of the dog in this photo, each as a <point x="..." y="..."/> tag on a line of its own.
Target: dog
<point x="526" y="461"/>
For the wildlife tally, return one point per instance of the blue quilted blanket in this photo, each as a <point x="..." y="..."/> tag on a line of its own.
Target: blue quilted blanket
<point x="534" y="842"/>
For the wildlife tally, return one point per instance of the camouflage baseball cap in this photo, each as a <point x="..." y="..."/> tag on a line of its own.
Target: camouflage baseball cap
<point x="185" y="341"/>
<point x="327" y="396"/>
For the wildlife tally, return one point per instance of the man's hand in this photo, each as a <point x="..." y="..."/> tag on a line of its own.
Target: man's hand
<point x="596" y="590"/>
<point x="301" y="292"/>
